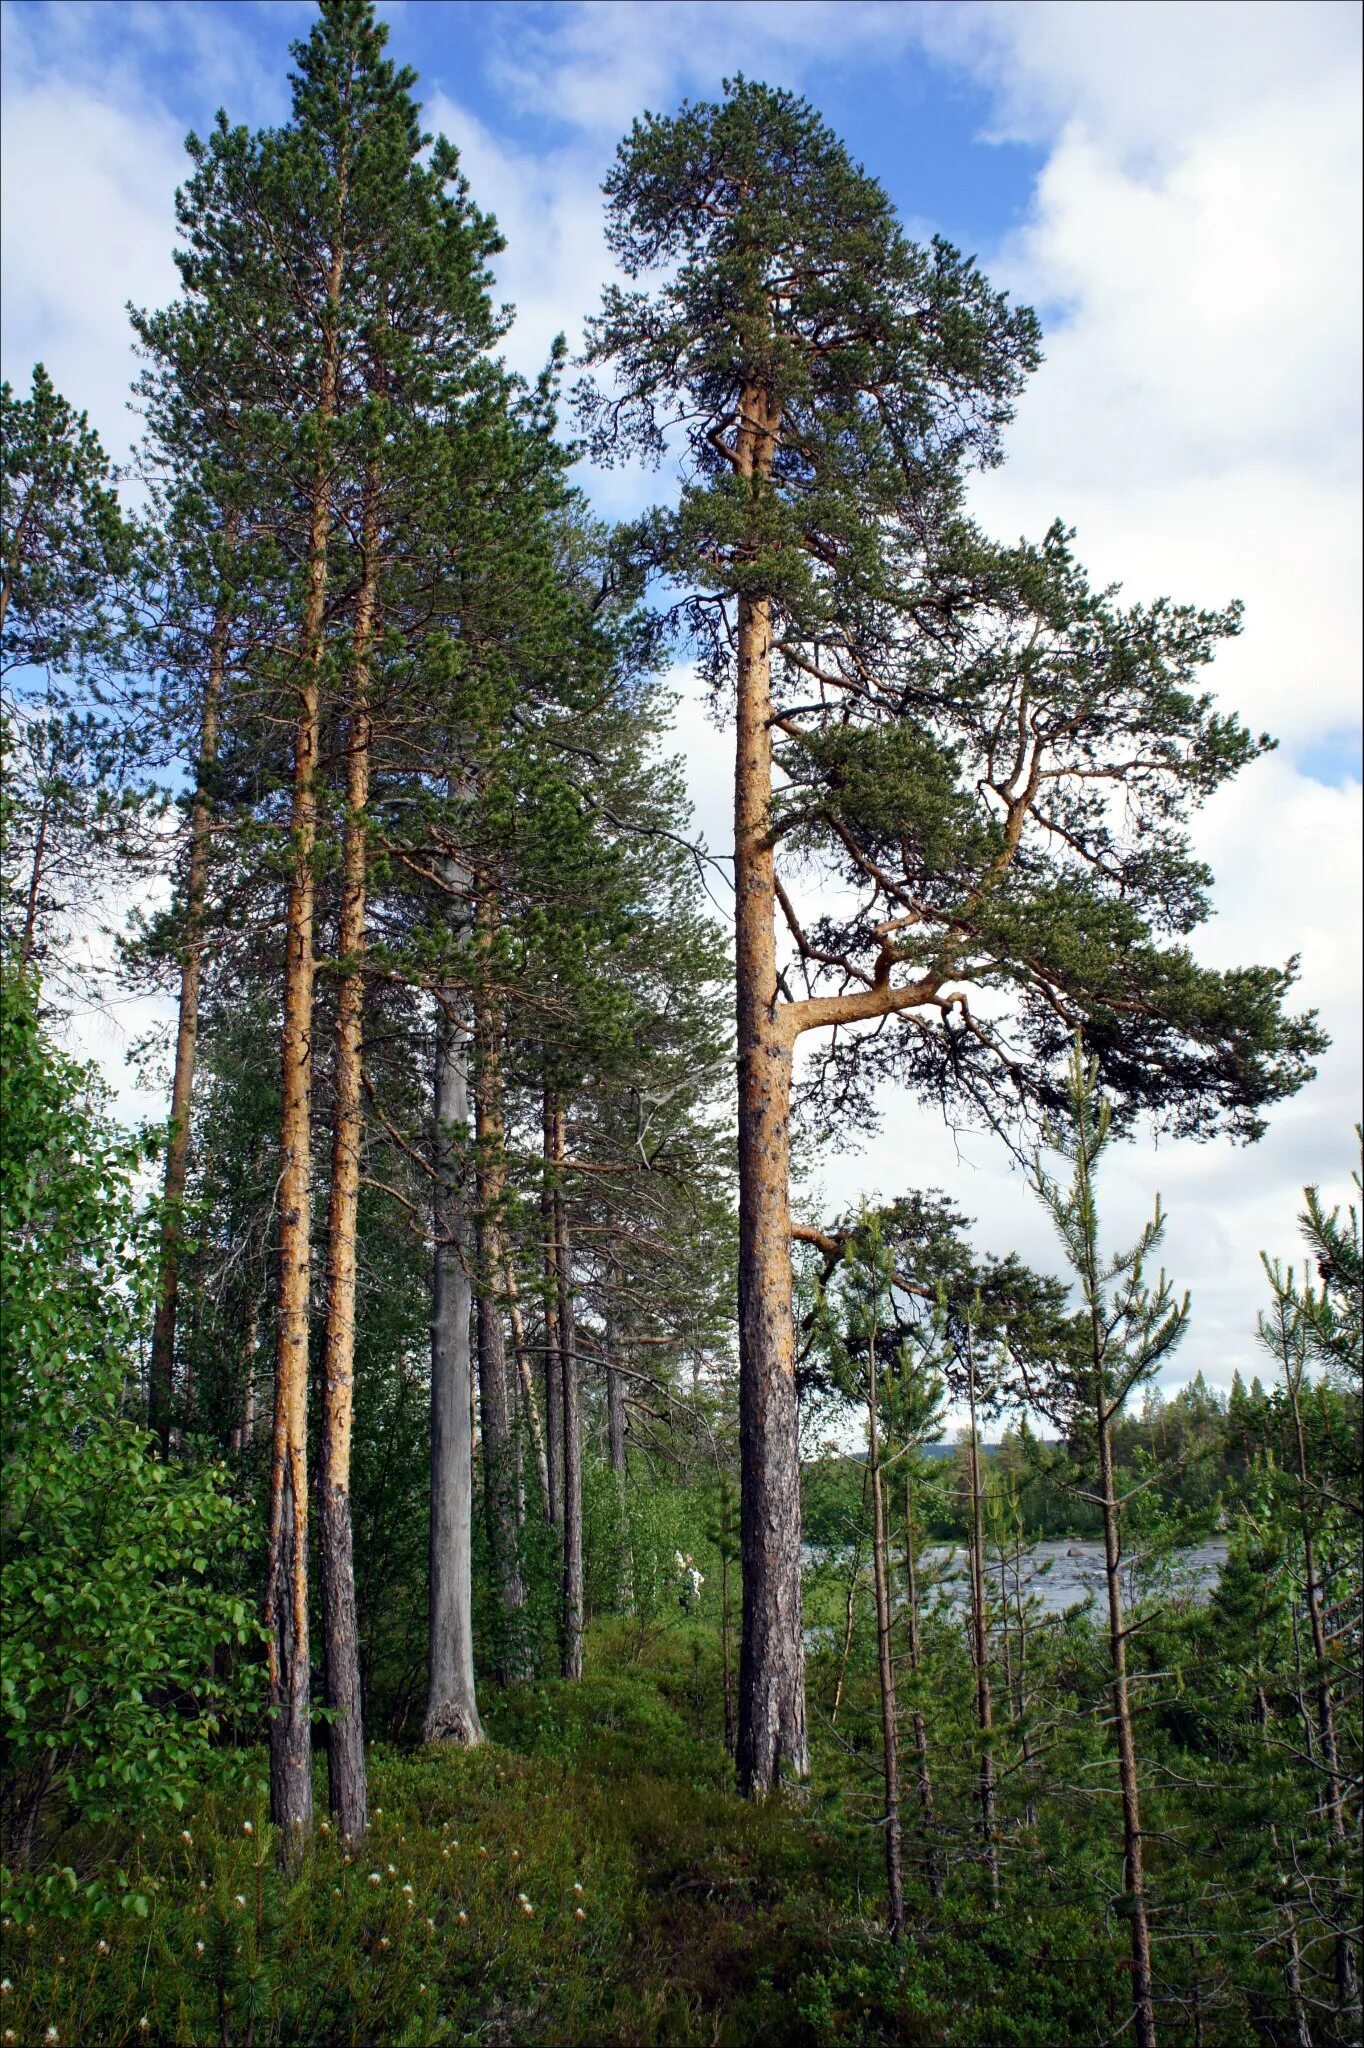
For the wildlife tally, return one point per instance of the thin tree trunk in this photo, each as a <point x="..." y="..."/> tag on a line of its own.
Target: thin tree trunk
<point x="499" y="1470"/>
<point x="890" y="1746"/>
<point x="526" y="1377"/>
<point x="1347" y="1975"/>
<point x="1029" y="1756"/>
<point x="340" y="1629"/>
<point x="572" y="1420"/>
<point x="980" y="1647"/>
<point x="726" y="1657"/>
<point x="1143" y="1995"/>
<point x="772" y="1731"/>
<point x="451" y="1699"/>
<point x="925" y="1776"/>
<point x="286" y="1602"/>
<point x="162" y="1367"/>
<point x="847" y="1630"/>
<point x="554" y="1384"/>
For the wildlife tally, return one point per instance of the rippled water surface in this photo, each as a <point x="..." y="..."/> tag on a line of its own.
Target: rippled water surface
<point x="1064" y="1572"/>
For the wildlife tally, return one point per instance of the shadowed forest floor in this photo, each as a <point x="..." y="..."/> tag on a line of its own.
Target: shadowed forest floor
<point x="588" y="1876"/>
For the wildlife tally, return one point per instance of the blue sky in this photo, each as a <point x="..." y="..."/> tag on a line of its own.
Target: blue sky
<point x="1173" y="184"/>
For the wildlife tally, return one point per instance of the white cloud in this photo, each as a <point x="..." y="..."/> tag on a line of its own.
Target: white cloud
<point x="1192" y="241"/>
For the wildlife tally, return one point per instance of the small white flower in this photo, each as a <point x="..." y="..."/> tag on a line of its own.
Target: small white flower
<point x="203" y="1884"/>
<point x="247" y="1828"/>
<point x="144" y="2025"/>
<point x="522" y="1897"/>
<point x="5" y="1987"/>
<point x="60" y="1961"/>
<point x="52" y="2037"/>
<point x="101" y="1948"/>
<point x="463" y="1919"/>
<point x="187" y="1838"/>
<point x="454" y="1845"/>
<point x="527" y="1907"/>
<point x="578" y="1913"/>
<point x="430" y="1926"/>
<point x="445" y="1852"/>
<point x="9" y="2036"/>
<point x="516" y="1855"/>
<point x="375" y="1878"/>
<point x="383" y="1941"/>
<point x="392" y="1869"/>
<point x="407" y="1890"/>
<point x="578" y="1889"/>
<point x="198" y="1948"/>
<point x="324" y="1827"/>
<point x="378" y="1813"/>
<point x="240" y="1900"/>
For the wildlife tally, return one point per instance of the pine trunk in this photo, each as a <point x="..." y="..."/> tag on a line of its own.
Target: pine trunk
<point x="1347" y="1973"/>
<point x="286" y="1602"/>
<point x="451" y="1702"/>
<point x="980" y="1649"/>
<point x="499" y="1464"/>
<point x="340" y="1628"/>
<point x="885" y="1666"/>
<point x="1143" y="1994"/>
<point x="527" y="1378"/>
<point x="161" y="1378"/>
<point x="571" y="1417"/>
<point x="924" y="1772"/>
<point x="553" y="1371"/>
<point x="772" y="1733"/>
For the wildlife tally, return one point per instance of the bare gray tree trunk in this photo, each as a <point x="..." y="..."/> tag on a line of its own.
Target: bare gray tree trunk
<point x="451" y="1704"/>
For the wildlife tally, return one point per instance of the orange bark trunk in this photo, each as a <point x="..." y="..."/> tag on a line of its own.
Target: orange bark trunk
<point x="772" y="1734"/>
<point x="286" y="1600"/>
<point x="345" y="1734"/>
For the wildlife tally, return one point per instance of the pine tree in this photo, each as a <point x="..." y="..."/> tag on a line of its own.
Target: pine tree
<point x="71" y="567"/>
<point x="1131" y="1327"/>
<point x="947" y="718"/>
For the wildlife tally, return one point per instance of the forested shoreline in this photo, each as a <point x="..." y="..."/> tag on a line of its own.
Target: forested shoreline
<point x="472" y="1541"/>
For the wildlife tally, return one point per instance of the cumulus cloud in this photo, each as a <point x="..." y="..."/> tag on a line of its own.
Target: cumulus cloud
<point x="1191" y="242"/>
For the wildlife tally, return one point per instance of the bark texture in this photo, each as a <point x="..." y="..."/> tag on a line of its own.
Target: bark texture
<point x="451" y="1703"/>
<point x="286" y="1601"/>
<point x="772" y="1734"/>
<point x="340" y="1626"/>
